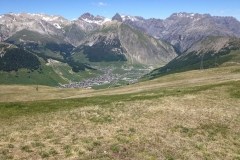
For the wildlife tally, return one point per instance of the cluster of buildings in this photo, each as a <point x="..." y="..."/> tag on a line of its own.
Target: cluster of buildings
<point x="106" y="78"/>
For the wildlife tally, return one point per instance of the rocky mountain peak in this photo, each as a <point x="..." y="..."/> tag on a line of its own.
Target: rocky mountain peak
<point x="181" y="30"/>
<point x="99" y="18"/>
<point x="181" y="15"/>
<point x="87" y="16"/>
<point x="117" y="17"/>
<point x="131" y="18"/>
<point x="34" y="16"/>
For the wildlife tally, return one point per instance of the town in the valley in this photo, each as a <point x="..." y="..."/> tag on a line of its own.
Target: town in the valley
<point x="108" y="77"/>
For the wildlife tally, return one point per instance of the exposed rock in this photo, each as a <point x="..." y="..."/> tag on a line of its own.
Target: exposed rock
<point x="117" y="40"/>
<point x="184" y="29"/>
<point x="117" y="17"/>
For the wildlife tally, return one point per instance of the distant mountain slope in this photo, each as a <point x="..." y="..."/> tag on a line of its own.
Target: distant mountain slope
<point x="118" y="42"/>
<point x="53" y="42"/>
<point x="56" y="37"/>
<point x="44" y="45"/>
<point x="19" y="65"/>
<point x="41" y="23"/>
<point x="184" y="29"/>
<point x="208" y="53"/>
<point x="13" y="58"/>
<point x="53" y="26"/>
<point x="180" y="29"/>
<point x="132" y="40"/>
<point x="145" y="49"/>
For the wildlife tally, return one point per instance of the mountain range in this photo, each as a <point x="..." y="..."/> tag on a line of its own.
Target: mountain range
<point x="94" y="39"/>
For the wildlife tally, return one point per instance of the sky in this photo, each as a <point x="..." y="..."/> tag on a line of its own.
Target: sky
<point x="72" y="9"/>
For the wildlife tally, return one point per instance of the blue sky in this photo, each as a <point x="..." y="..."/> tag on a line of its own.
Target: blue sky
<point x="72" y="9"/>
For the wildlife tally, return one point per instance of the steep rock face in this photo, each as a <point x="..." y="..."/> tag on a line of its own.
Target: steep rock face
<point x="80" y="28"/>
<point x="210" y="52"/>
<point x="87" y="17"/>
<point x="41" y="43"/>
<point x="88" y="22"/>
<point x="117" y="17"/>
<point x="181" y="29"/>
<point x="43" y="24"/>
<point x="184" y="29"/>
<point x="74" y="34"/>
<point x="153" y="27"/>
<point x="111" y="40"/>
<point x="125" y="43"/>
<point x="103" y="47"/>
<point x="71" y="31"/>
<point x="211" y="44"/>
<point x="144" y="49"/>
<point x="27" y="36"/>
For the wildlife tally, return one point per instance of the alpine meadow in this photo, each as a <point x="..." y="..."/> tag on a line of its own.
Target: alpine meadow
<point x="112" y="86"/>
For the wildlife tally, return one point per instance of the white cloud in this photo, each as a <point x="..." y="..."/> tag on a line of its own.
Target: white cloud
<point x="102" y="4"/>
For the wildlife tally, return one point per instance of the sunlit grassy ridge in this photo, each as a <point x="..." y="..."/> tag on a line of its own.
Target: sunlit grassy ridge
<point x="193" y="61"/>
<point x="190" y="115"/>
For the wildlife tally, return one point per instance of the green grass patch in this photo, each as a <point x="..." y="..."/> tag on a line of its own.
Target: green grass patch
<point x="210" y="130"/>
<point x="26" y="148"/>
<point x="215" y="129"/>
<point x="235" y="91"/>
<point x="192" y="61"/>
<point x="47" y="77"/>
<point x="14" y="109"/>
<point x="48" y="153"/>
<point x="101" y="119"/>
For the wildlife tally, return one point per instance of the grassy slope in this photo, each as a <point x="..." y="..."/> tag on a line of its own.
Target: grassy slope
<point x="49" y="75"/>
<point x="56" y="73"/>
<point x="190" y="115"/>
<point x="186" y="79"/>
<point x="193" y="62"/>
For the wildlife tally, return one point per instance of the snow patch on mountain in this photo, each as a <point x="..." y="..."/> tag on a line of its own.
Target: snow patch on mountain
<point x="132" y="18"/>
<point x="47" y="18"/>
<point x="57" y="26"/>
<point x="106" y="20"/>
<point x="99" y="22"/>
<point x="14" y="14"/>
<point x="186" y="15"/>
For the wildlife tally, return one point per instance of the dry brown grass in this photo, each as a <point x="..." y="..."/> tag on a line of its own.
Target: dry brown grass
<point x="202" y="125"/>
